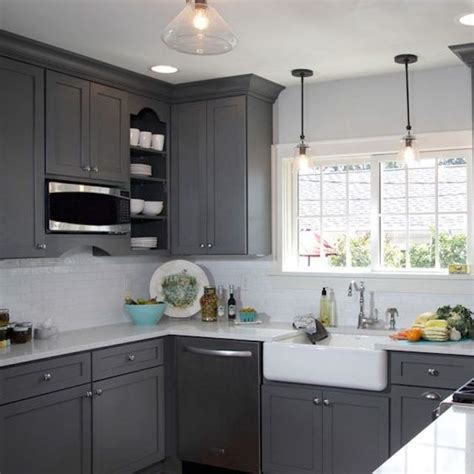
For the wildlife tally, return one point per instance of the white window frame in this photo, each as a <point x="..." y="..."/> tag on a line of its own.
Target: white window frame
<point x="373" y="150"/>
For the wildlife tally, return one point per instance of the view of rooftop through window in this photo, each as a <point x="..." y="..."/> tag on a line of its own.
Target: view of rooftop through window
<point x="417" y="215"/>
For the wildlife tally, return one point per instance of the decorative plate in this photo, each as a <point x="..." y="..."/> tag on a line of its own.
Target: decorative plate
<point x="180" y="284"/>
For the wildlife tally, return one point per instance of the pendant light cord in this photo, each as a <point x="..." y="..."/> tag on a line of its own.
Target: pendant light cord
<point x="408" y="96"/>
<point x="302" y="107"/>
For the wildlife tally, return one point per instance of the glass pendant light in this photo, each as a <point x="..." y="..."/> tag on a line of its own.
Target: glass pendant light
<point x="302" y="150"/>
<point x="200" y="30"/>
<point x="408" y="152"/>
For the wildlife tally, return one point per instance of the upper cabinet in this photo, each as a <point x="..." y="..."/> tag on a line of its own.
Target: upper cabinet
<point x="21" y="160"/>
<point x="221" y="174"/>
<point x="86" y="129"/>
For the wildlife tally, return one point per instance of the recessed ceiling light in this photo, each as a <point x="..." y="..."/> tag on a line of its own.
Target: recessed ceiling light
<point x="164" y="69"/>
<point x="467" y="20"/>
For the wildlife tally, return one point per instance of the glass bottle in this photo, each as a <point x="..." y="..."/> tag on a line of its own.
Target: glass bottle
<point x="209" y="304"/>
<point x="231" y="304"/>
<point x="221" y="303"/>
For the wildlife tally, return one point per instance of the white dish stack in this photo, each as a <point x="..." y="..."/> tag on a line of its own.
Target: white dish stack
<point x="145" y="139"/>
<point x="140" y="169"/>
<point x="143" y="243"/>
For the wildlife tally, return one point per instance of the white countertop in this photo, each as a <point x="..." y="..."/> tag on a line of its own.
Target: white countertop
<point x="94" y="338"/>
<point x="464" y="347"/>
<point x="446" y="446"/>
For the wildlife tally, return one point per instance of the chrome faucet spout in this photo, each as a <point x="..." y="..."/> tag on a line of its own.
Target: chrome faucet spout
<point x="362" y="321"/>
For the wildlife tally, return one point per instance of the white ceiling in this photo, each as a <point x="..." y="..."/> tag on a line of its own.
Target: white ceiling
<point x="337" y="38"/>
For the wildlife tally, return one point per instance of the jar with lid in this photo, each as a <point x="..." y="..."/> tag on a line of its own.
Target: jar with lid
<point x="29" y="326"/>
<point x="4" y="317"/>
<point x="4" y="341"/>
<point x="209" y="304"/>
<point x="20" y="334"/>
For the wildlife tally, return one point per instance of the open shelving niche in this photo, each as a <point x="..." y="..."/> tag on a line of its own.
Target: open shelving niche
<point x="150" y="188"/>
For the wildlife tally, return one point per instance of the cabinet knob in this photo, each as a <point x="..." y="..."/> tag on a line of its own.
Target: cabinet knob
<point x="131" y="357"/>
<point x="209" y="246"/>
<point x="317" y="401"/>
<point x="86" y="168"/>
<point x="326" y="402"/>
<point x="99" y="392"/>
<point x="41" y="246"/>
<point x="201" y="246"/>
<point x="431" y="396"/>
<point x="88" y="394"/>
<point x="433" y="372"/>
<point x="95" y="169"/>
<point x="47" y="377"/>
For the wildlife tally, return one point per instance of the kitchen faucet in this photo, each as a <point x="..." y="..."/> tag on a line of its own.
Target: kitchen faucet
<point x="363" y="321"/>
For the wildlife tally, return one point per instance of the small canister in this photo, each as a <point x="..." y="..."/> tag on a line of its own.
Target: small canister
<point x="209" y="304"/>
<point x="20" y="334"/>
<point x="4" y="317"/>
<point x="4" y="342"/>
<point x="29" y="326"/>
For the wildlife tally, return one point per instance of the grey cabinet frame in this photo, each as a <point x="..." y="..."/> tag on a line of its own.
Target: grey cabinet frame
<point x="22" y="160"/>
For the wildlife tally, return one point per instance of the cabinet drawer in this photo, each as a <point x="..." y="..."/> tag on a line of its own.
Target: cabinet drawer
<point x="431" y="370"/>
<point x="127" y="358"/>
<point x="37" y="378"/>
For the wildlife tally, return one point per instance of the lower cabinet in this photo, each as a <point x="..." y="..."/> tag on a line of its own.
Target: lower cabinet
<point x="307" y="430"/>
<point x="47" y="434"/>
<point x="412" y="411"/>
<point x="128" y="422"/>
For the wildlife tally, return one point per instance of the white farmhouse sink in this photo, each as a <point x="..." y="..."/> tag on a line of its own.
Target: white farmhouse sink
<point x="342" y="360"/>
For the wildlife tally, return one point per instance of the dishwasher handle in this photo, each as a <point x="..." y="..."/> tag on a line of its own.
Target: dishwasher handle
<point x="217" y="352"/>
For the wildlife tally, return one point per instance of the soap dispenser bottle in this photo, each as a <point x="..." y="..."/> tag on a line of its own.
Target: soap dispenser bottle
<point x="324" y="309"/>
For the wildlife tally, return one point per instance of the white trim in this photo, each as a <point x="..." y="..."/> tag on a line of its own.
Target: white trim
<point x="327" y="153"/>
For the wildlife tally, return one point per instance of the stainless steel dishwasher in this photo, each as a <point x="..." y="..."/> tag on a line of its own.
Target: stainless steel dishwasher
<point x="219" y="403"/>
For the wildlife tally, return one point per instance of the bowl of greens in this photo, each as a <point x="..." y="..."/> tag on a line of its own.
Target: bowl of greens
<point x="145" y="312"/>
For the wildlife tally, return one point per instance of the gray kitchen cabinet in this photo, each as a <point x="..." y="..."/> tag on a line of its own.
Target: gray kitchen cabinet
<point x="21" y="160"/>
<point x="292" y="424"/>
<point x="355" y="432"/>
<point x="128" y="422"/>
<point x="47" y="434"/>
<point x="314" y="430"/>
<point x="86" y="129"/>
<point x="189" y="179"/>
<point x="67" y="125"/>
<point x="412" y="411"/>
<point x="109" y="134"/>
<point x="221" y="177"/>
<point x="218" y="390"/>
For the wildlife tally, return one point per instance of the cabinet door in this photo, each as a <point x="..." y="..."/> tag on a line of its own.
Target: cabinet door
<point x="219" y="403"/>
<point x="21" y="160"/>
<point x="412" y="411"/>
<point x="109" y="134"/>
<point x="356" y="432"/>
<point x="227" y="176"/>
<point x="67" y="125"/>
<point x="128" y="422"/>
<point x="47" y="434"/>
<point x="291" y="430"/>
<point x="188" y="179"/>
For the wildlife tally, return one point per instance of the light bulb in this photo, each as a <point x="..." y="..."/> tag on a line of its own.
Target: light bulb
<point x="200" y="20"/>
<point x="409" y="150"/>
<point x="409" y="154"/>
<point x="303" y="163"/>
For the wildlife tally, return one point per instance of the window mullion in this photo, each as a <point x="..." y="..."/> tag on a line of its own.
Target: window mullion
<point x="376" y="244"/>
<point x="407" y="222"/>
<point x="436" y="236"/>
<point x="347" y="243"/>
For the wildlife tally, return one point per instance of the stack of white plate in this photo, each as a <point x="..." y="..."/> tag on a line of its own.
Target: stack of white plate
<point x="144" y="243"/>
<point x="142" y="170"/>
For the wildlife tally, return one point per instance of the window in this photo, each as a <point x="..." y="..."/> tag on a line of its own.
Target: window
<point x="373" y="213"/>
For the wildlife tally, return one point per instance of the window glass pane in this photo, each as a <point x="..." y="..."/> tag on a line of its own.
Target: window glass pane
<point x="422" y="188"/>
<point x="309" y="188"/>
<point x="334" y="182"/>
<point x="452" y="185"/>
<point x="422" y="241"/>
<point x="393" y="188"/>
<point x="452" y="236"/>
<point x="394" y="241"/>
<point x="334" y="207"/>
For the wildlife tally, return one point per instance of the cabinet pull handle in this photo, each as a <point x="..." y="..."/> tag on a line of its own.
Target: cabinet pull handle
<point x="326" y="402"/>
<point x="41" y="246"/>
<point x="95" y="169"/>
<point x="217" y="352"/>
<point x="47" y="377"/>
<point x="99" y="392"/>
<point x="201" y="245"/>
<point x="88" y="394"/>
<point x="317" y="401"/>
<point x="433" y="372"/>
<point x="131" y="357"/>
<point x="87" y="168"/>
<point x="218" y="451"/>
<point x="431" y="395"/>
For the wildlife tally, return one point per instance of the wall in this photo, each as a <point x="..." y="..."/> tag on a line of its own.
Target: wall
<point x="375" y="106"/>
<point x="77" y="291"/>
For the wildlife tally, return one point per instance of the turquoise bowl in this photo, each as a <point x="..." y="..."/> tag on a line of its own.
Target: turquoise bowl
<point x="145" y="314"/>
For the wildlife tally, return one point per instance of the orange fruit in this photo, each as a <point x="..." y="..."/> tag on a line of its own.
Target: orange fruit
<point x="414" y="334"/>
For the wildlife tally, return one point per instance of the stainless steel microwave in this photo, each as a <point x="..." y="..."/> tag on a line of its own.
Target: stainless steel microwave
<point x="85" y="209"/>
